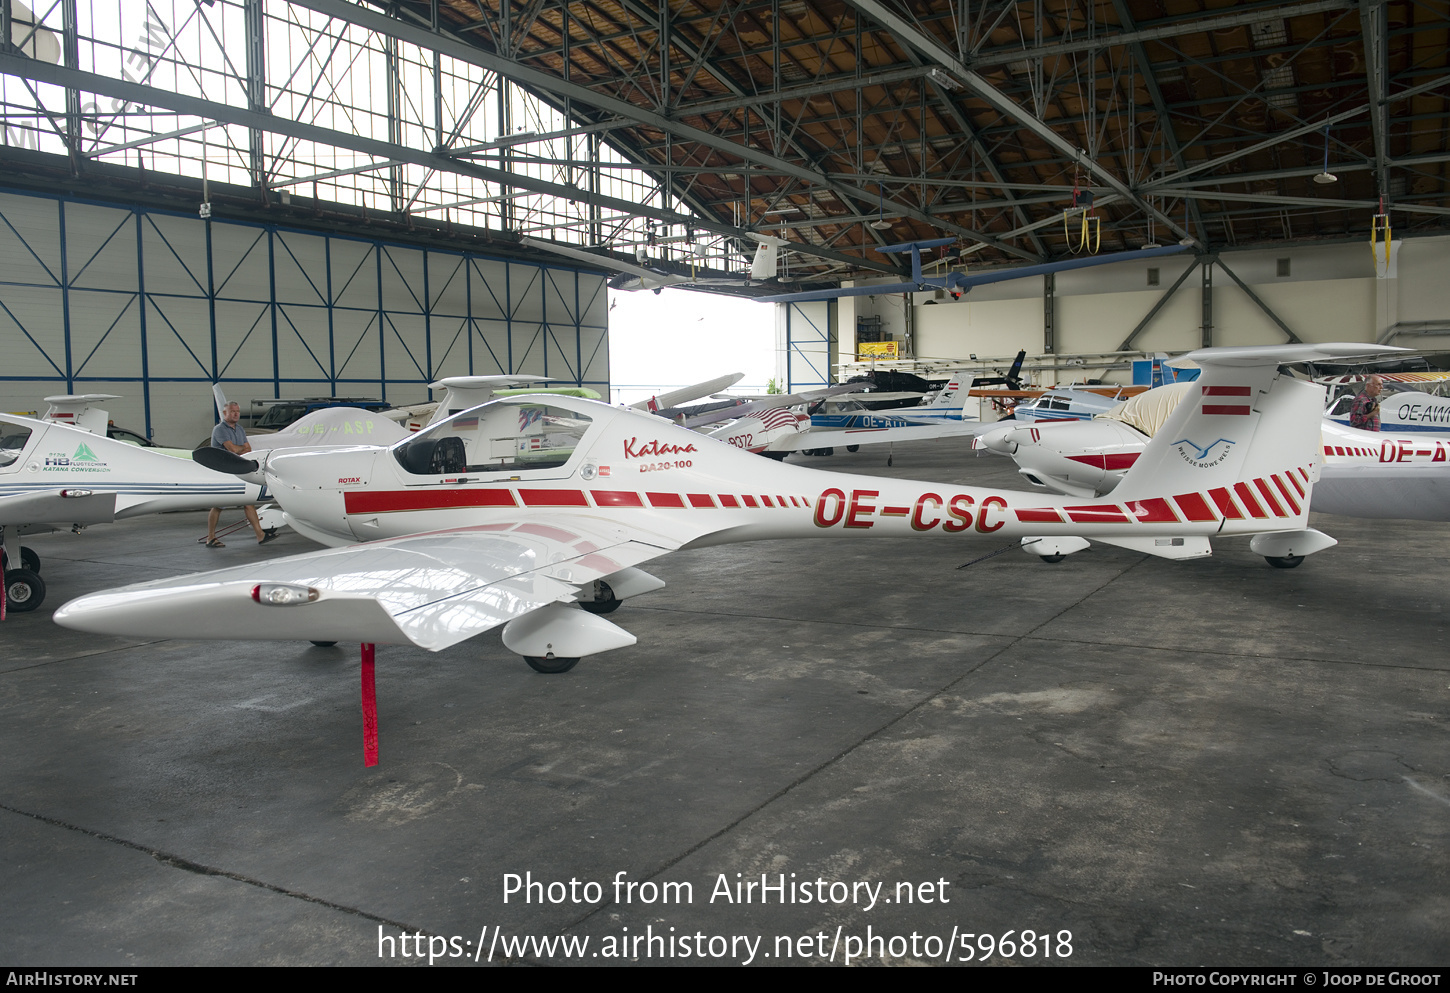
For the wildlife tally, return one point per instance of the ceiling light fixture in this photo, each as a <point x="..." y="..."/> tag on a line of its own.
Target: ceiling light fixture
<point x="1326" y="177"/>
<point x="881" y="223"/>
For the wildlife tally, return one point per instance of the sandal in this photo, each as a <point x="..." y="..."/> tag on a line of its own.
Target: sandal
<point x="214" y="543"/>
<point x="270" y="536"/>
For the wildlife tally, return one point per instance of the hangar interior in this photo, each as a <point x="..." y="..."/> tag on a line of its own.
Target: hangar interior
<point x="1270" y="137"/>
<point x="1175" y="763"/>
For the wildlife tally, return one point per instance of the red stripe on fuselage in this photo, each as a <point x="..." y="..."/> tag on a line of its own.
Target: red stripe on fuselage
<point x="394" y="501"/>
<point x="616" y="498"/>
<point x="553" y="498"/>
<point x="1097" y="514"/>
<point x="1154" y="511"/>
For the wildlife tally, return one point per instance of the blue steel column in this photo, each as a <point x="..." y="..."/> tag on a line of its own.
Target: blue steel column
<point x="427" y="318"/>
<point x="382" y="336"/>
<point x="65" y="299"/>
<point x="272" y="293"/>
<point x="789" y="348"/>
<point x="141" y="310"/>
<point x="331" y="345"/>
<point x="468" y="305"/>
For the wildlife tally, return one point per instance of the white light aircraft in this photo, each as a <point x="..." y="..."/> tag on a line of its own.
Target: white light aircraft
<point x="463" y="392"/>
<point x="522" y="511"/>
<point x="1065" y="404"/>
<point x="55" y="476"/>
<point x="776" y="431"/>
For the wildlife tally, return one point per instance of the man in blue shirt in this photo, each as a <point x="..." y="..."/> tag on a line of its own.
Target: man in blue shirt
<point x="230" y="436"/>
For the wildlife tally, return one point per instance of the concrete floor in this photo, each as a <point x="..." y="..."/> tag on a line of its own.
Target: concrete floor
<point x="1209" y="762"/>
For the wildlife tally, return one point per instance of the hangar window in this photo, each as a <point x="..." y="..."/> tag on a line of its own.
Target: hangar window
<point x="503" y="436"/>
<point x="1152" y="277"/>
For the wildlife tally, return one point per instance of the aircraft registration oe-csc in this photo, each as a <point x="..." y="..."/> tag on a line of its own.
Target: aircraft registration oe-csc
<point x="524" y="510"/>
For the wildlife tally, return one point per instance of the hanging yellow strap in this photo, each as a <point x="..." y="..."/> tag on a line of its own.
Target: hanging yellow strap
<point x="1090" y="231"/>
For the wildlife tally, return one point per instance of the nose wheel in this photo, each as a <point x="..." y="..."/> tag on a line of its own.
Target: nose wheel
<point x="550" y="666"/>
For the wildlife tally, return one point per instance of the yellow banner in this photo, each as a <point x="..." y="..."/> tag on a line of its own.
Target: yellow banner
<point x="876" y="349"/>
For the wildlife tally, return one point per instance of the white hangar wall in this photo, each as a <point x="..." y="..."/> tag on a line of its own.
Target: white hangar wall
<point x="1330" y="294"/>
<point x="156" y="306"/>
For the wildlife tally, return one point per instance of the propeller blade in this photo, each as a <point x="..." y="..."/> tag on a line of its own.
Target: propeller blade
<point x="221" y="460"/>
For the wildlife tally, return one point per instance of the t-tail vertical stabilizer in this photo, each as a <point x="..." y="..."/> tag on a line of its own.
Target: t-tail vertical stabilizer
<point x="1240" y="451"/>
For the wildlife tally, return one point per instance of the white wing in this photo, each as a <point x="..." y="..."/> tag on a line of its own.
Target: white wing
<point x="57" y="506"/>
<point x="432" y="590"/>
<point x="831" y="437"/>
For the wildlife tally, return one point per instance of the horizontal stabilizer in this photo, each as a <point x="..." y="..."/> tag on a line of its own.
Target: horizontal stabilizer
<point x="1192" y="547"/>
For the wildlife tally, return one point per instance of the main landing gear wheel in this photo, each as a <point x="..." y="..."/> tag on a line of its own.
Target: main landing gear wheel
<point x="24" y="590"/>
<point x="28" y="559"/>
<point x="1052" y="558"/>
<point x="853" y="448"/>
<point x="550" y="665"/>
<point x="1283" y="561"/>
<point x="607" y="603"/>
<point x="324" y="644"/>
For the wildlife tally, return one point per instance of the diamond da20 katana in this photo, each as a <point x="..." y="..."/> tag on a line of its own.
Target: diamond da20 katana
<point x="520" y="512"/>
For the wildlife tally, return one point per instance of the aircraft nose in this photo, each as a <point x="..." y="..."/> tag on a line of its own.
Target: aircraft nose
<point x="999" y="440"/>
